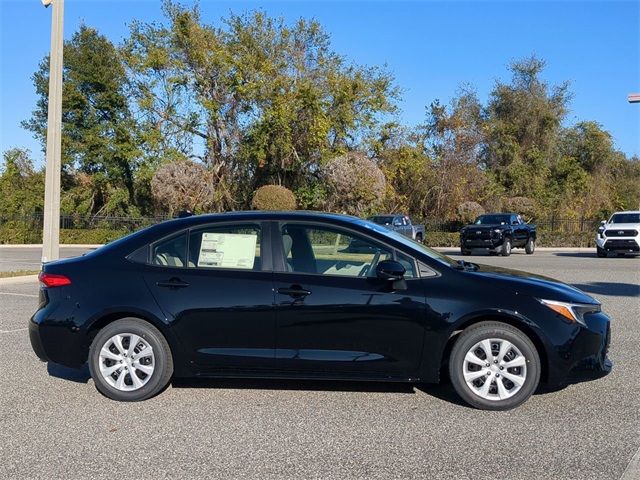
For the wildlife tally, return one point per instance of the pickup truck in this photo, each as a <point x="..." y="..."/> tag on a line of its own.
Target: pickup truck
<point x="619" y="234"/>
<point x="401" y="224"/>
<point x="499" y="233"/>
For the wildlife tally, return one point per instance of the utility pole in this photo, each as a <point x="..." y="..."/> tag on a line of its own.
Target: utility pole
<point x="51" y="231"/>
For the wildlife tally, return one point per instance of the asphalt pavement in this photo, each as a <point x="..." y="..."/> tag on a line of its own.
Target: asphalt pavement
<point x="54" y="423"/>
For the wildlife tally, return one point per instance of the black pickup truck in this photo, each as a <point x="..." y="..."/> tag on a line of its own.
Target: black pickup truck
<point x="499" y="233"/>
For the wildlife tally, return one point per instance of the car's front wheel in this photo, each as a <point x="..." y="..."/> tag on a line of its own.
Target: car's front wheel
<point x="506" y="247"/>
<point x="530" y="247"/>
<point x="494" y="366"/>
<point x="601" y="252"/>
<point x="130" y="360"/>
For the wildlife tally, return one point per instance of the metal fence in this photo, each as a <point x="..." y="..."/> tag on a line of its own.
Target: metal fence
<point x="34" y="223"/>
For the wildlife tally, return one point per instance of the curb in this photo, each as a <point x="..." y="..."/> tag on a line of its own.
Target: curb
<point x="18" y="280"/>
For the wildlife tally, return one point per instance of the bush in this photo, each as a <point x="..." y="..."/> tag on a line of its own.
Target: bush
<point x="469" y="211"/>
<point x="442" y="239"/>
<point x="273" y="197"/>
<point x="548" y="238"/>
<point x="23" y="235"/>
<point x="355" y="183"/>
<point x="520" y="205"/>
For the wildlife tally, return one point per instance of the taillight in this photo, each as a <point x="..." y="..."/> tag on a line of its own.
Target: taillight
<point x="53" y="280"/>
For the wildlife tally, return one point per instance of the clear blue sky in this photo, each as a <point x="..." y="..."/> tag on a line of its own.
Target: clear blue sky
<point x="430" y="47"/>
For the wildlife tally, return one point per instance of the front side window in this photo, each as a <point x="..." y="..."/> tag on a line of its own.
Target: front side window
<point x="231" y="246"/>
<point x="326" y="251"/>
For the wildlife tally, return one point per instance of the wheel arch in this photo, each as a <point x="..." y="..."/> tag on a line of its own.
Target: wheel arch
<point x="107" y="318"/>
<point x="501" y="317"/>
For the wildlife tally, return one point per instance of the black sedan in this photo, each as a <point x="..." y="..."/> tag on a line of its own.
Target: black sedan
<point x="309" y="295"/>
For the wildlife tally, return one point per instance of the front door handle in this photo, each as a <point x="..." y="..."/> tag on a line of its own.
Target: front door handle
<point x="294" y="291"/>
<point x="173" y="283"/>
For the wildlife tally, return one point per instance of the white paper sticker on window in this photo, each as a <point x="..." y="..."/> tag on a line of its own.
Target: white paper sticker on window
<point x="227" y="250"/>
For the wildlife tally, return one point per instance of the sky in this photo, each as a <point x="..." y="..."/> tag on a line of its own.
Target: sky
<point x="431" y="47"/>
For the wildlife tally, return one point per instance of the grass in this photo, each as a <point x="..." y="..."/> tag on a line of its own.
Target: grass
<point x="18" y="273"/>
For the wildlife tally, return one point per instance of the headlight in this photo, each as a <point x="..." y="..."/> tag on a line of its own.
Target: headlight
<point x="498" y="231"/>
<point x="574" y="312"/>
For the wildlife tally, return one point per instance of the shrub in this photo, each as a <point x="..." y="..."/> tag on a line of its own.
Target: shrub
<point x="356" y="184"/>
<point x="522" y="205"/>
<point x="273" y="197"/>
<point x="182" y="185"/>
<point x="469" y="211"/>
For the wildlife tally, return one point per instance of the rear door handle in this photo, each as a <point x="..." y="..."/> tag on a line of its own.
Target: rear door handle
<point x="294" y="291"/>
<point x="173" y="283"/>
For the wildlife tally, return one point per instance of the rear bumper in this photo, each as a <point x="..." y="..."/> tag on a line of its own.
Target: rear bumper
<point x="36" y="342"/>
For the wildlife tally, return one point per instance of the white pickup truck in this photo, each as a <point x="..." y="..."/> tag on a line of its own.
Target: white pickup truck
<point x="619" y="234"/>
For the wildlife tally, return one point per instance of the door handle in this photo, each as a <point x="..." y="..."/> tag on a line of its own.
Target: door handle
<point x="173" y="283"/>
<point x="294" y="291"/>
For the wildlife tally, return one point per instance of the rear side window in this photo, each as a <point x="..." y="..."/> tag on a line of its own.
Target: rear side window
<point x="231" y="246"/>
<point x="170" y="252"/>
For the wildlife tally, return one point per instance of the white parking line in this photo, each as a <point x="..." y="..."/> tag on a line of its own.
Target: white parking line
<point x="18" y="294"/>
<point x="633" y="469"/>
<point x="13" y="331"/>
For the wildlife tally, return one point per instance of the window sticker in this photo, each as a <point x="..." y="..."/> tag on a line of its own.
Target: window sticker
<point x="227" y="250"/>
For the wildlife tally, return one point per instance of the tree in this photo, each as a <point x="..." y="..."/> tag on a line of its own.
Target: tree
<point x="355" y="183"/>
<point x="181" y="185"/>
<point x="22" y="187"/>
<point x="98" y="129"/>
<point x="269" y="102"/>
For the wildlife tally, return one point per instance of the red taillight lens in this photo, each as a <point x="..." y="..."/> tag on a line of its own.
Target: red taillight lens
<point x="53" y="280"/>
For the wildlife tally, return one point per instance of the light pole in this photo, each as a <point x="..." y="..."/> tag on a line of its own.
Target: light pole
<point x="51" y="231"/>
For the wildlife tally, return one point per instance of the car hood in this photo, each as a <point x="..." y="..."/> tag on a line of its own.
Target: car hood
<point x="622" y="226"/>
<point x="538" y="286"/>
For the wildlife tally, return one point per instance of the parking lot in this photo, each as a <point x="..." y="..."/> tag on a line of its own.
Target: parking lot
<point x="56" y="425"/>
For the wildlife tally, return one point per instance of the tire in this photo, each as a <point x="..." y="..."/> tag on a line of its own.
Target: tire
<point x="111" y="351"/>
<point x="464" y="251"/>
<point x="601" y="252"/>
<point x="530" y="247"/>
<point x="506" y="247"/>
<point x="520" y="350"/>
<point x="419" y="237"/>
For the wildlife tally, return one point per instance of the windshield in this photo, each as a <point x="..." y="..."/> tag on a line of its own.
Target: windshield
<point x="430" y="252"/>
<point x="382" y="220"/>
<point x="493" y="220"/>
<point x="625" y="218"/>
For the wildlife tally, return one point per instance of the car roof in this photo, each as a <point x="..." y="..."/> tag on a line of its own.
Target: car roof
<point x="626" y="211"/>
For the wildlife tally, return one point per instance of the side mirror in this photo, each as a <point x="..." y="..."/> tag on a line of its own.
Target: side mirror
<point x="602" y="222"/>
<point x="390" y="270"/>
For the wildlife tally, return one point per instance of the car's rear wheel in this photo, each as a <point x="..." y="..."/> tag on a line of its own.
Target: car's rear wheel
<point x="419" y="237"/>
<point x="506" y="247"/>
<point x="130" y="360"/>
<point x="465" y="251"/>
<point x="494" y="366"/>
<point x="601" y="252"/>
<point x="530" y="247"/>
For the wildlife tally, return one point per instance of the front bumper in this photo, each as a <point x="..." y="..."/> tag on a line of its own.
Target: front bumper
<point x="627" y="244"/>
<point x="491" y="243"/>
<point x="585" y="356"/>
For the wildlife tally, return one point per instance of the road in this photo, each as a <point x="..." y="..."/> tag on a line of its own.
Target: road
<point x="56" y="425"/>
<point x="14" y="258"/>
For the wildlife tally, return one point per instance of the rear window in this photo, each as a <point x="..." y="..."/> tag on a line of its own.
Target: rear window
<point x="382" y="220"/>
